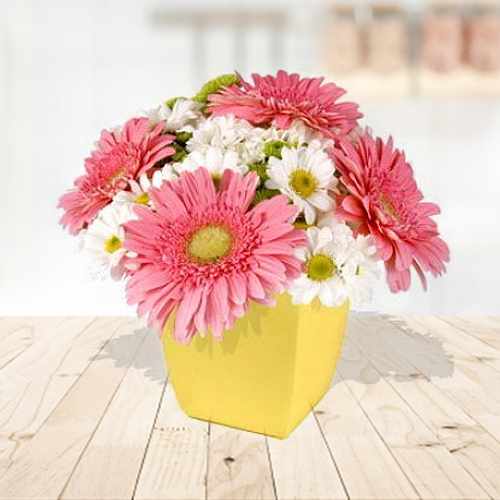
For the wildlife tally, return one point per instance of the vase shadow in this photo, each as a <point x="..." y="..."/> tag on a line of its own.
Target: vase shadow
<point x="140" y="350"/>
<point x="375" y="347"/>
<point x="384" y="347"/>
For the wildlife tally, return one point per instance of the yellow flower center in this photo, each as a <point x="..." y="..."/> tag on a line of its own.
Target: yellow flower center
<point x="112" y="244"/>
<point x="142" y="199"/>
<point x="216" y="178"/>
<point x="209" y="244"/>
<point x="302" y="225"/>
<point x="303" y="182"/>
<point x="321" y="267"/>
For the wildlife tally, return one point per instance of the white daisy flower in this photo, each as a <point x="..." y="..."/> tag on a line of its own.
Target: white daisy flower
<point x="305" y="175"/>
<point x="184" y="114"/>
<point x="103" y="239"/>
<point x="167" y="173"/>
<point x="215" y="160"/>
<point x="229" y="134"/>
<point x="139" y="190"/>
<point x="337" y="267"/>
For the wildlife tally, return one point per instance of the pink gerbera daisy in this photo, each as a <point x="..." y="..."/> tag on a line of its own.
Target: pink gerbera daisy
<point x="205" y="254"/>
<point x="287" y="97"/>
<point x="121" y="156"/>
<point x="383" y="200"/>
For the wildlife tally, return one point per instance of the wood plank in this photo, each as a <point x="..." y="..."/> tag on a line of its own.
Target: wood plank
<point x="32" y="388"/>
<point x="361" y="455"/>
<point x="43" y="465"/>
<point x="477" y="451"/>
<point x="303" y="467"/>
<point x="16" y="335"/>
<point x="175" y="465"/>
<point x="111" y="463"/>
<point x="461" y="344"/>
<point x="484" y="329"/>
<point x="470" y="385"/>
<point x="9" y="324"/>
<point x="429" y="465"/>
<point x="239" y="467"/>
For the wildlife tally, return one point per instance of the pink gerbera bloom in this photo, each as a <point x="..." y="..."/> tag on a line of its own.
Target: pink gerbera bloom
<point x="121" y="156"/>
<point x="206" y="254"/>
<point x="287" y="97"/>
<point x="383" y="200"/>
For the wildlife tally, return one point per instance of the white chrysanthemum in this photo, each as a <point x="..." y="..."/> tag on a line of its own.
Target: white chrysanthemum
<point x="183" y="115"/>
<point x="298" y="134"/>
<point x="103" y="239"/>
<point x="337" y="267"/>
<point x="229" y="134"/>
<point x="305" y="175"/>
<point x="215" y="160"/>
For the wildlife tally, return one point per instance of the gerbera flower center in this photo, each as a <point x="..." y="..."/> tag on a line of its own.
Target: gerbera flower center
<point x="210" y="243"/>
<point x="388" y="207"/>
<point x="112" y="244"/>
<point x="321" y="267"/>
<point x="216" y="178"/>
<point x="303" y="182"/>
<point x="142" y="199"/>
<point x="117" y="174"/>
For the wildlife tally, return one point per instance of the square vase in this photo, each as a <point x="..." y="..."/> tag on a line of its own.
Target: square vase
<point x="267" y="373"/>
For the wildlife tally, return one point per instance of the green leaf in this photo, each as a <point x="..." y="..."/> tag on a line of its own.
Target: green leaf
<point x="180" y="152"/>
<point x="170" y="103"/>
<point x="260" y="169"/>
<point x="183" y="137"/>
<point x="264" y="194"/>
<point x="213" y="86"/>
<point x="273" y="148"/>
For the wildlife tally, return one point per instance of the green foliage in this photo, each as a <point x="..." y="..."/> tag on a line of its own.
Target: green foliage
<point x="183" y="137"/>
<point x="170" y="103"/>
<point x="273" y="148"/>
<point x="213" y="86"/>
<point x="260" y="169"/>
<point x="264" y="194"/>
<point x="180" y="152"/>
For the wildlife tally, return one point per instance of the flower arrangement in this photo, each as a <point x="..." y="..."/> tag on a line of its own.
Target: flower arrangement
<point x="245" y="191"/>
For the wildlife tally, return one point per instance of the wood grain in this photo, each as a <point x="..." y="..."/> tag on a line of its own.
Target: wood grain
<point x="112" y="459"/>
<point x="428" y="464"/>
<point x="86" y="414"/>
<point x="239" y="466"/>
<point x="34" y="383"/>
<point x="303" y="467"/>
<point x="44" y="464"/>
<point x="470" y="386"/>
<point x="352" y="439"/>
<point x="175" y="464"/>
<point x="477" y="451"/>
<point x="485" y="329"/>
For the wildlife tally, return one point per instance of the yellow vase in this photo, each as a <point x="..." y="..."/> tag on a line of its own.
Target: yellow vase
<point x="268" y="372"/>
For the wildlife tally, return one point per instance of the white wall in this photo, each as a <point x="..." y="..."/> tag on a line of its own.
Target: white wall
<point x="68" y="69"/>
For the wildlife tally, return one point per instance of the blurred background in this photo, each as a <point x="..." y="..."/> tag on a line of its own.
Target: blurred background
<point x="426" y="72"/>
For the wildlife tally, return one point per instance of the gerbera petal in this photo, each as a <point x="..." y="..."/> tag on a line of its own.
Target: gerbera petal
<point x="283" y="98"/>
<point x="253" y="252"/>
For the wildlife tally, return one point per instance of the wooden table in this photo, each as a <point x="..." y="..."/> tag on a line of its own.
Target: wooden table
<point x="86" y="412"/>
